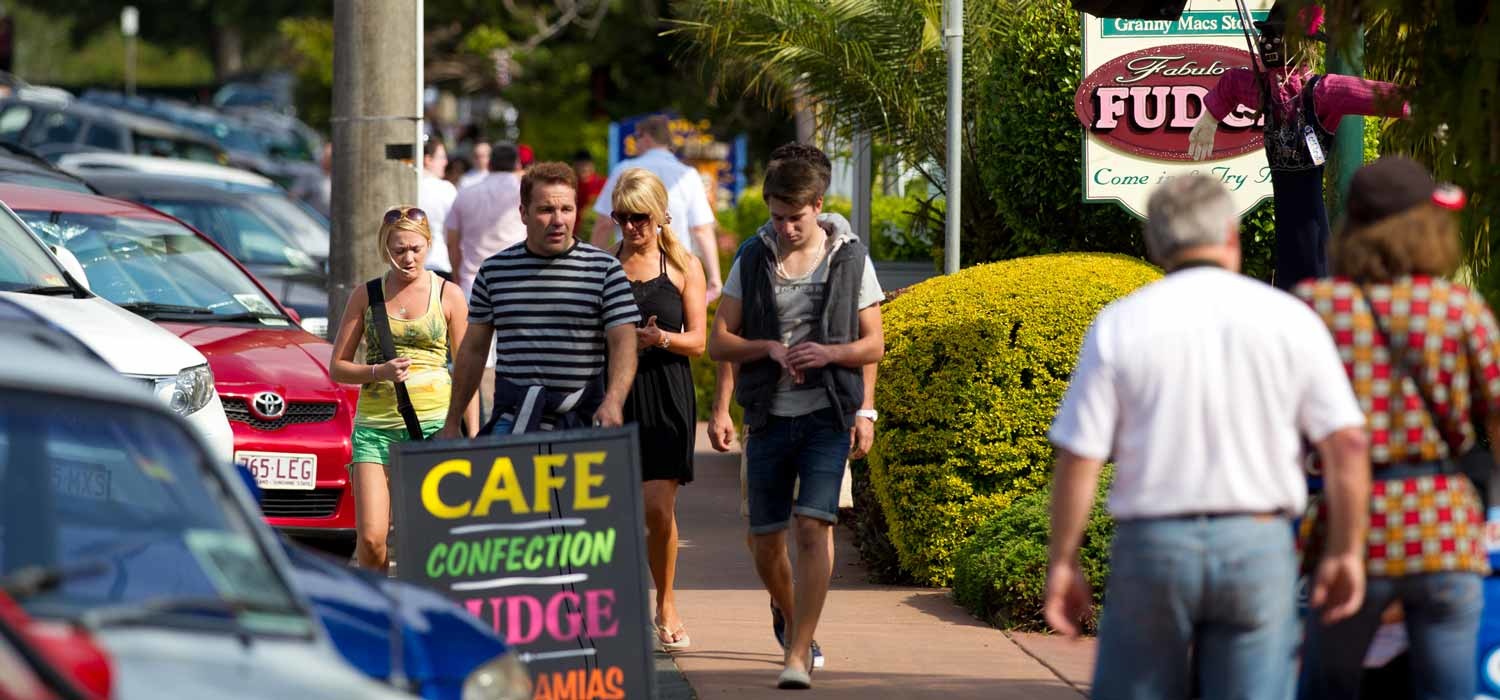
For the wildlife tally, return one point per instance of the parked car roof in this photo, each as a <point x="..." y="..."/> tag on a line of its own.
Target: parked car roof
<point x="20" y="166"/>
<point x="78" y="202"/>
<point x="90" y="164"/>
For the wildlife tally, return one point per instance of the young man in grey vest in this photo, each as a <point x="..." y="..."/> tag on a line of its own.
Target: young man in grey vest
<point x="801" y="317"/>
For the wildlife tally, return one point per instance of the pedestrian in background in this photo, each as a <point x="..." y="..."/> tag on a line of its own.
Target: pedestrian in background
<point x="480" y="156"/>
<point x="801" y="318"/>
<point x="668" y="286"/>
<point x="485" y="220"/>
<point x="687" y="202"/>
<point x="590" y="182"/>
<point x="435" y="195"/>
<point x="558" y="310"/>
<point x="1424" y="357"/>
<point x="1200" y="388"/>
<point x="458" y="166"/>
<point x="427" y="316"/>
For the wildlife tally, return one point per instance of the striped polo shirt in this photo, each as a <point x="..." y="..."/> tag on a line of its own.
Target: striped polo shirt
<point x="550" y="313"/>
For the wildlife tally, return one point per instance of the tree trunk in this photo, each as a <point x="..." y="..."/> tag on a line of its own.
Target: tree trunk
<point x="229" y="51"/>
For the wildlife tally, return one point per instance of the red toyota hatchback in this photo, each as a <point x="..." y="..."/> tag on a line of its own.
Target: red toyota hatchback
<point x="291" y="421"/>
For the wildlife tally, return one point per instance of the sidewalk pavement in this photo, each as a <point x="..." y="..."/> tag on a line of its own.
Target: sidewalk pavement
<point x="880" y="641"/>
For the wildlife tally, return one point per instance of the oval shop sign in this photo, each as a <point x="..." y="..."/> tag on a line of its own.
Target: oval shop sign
<point x="1145" y="102"/>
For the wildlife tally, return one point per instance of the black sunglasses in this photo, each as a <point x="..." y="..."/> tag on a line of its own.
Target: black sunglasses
<point x="399" y="213"/>
<point x="632" y="218"/>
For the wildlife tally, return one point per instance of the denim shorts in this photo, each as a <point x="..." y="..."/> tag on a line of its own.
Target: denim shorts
<point x="812" y="448"/>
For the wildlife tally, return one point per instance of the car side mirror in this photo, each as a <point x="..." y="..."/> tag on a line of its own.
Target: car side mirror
<point x="249" y="479"/>
<point x="71" y="265"/>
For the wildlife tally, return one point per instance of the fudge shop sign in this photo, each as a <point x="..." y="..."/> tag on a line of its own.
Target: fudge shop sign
<point x="1141" y="93"/>
<point x="540" y="536"/>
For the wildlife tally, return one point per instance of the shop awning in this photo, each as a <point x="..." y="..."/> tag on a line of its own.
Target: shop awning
<point x="1132" y="9"/>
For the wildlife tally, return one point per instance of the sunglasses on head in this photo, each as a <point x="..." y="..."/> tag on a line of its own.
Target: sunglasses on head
<point x="632" y="218"/>
<point x="410" y="213"/>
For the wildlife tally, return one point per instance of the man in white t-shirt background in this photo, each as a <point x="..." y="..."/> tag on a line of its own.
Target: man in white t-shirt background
<point x="435" y="196"/>
<point x="687" y="201"/>
<point x="1201" y="389"/>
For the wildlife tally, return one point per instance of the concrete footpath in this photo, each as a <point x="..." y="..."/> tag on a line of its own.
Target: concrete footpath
<point x="880" y="641"/>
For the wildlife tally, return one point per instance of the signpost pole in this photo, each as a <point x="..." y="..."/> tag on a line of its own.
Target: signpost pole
<point x="1349" y="143"/>
<point x="953" y="31"/>
<point x="130" y="22"/>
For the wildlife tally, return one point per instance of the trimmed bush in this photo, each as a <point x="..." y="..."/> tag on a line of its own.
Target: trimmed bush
<point x="975" y="366"/>
<point x="1000" y="575"/>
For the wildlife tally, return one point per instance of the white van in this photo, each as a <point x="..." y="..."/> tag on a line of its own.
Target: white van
<point x="32" y="276"/>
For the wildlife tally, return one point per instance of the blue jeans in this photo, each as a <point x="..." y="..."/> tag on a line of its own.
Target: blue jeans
<point x="1442" y="624"/>
<point x="1220" y="587"/>
<point x="810" y="448"/>
<point x="503" y="426"/>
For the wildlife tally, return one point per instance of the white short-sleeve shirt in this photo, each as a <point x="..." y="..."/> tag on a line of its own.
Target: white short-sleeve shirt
<point x="435" y="196"/>
<point x="687" y="200"/>
<point x="1201" y="388"/>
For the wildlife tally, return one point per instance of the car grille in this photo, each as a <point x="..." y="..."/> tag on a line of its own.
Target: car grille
<point x="288" y="503"/>
<point x="296" y="413"/>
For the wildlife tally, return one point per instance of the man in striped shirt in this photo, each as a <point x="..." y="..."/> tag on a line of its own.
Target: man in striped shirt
<point x="558" y="309"/>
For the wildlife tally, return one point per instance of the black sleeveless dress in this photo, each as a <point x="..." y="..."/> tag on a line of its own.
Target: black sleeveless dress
<point x="661" y="400"/>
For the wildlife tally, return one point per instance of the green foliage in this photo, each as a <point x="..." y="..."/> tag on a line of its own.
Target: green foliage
<point x="560" y="139"/>
<point x="311" y="42"/>
<point x="45" y="54"/>
<point x="975" y="366"/>
<point x="1000" y="574"/>
<point x="901" y="228"/>
<point x="705" y="372"/>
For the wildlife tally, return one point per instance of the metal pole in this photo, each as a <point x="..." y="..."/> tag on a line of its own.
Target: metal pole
<point x="130" y="66"/>
<point x="953" y="30"/>
<point x="375" y="160"/>
<point x="1349" y="142"/>
<point x="864" y="166"/>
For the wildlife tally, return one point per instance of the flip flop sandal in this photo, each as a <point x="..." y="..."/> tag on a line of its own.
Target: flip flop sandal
<point x="664" y="638"/>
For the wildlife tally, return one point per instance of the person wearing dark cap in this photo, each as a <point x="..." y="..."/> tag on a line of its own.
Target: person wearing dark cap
<point x="1302" y="111"/>
<point x="1423" y="355"/>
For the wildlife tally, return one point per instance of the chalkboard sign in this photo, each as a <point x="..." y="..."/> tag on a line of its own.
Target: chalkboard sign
<point x="541" y="536"/>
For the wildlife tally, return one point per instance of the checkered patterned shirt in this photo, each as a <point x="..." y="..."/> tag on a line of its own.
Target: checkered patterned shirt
<point x="1429" y="523"/>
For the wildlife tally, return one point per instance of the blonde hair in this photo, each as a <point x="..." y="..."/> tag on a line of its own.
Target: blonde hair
<point x="1422" y="240"/>
<point x="640" y="191"/>
<point x="403" y="223"/>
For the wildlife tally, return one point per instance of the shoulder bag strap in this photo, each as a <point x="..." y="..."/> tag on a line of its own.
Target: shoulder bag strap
<point x="1398" y="361"/>
<point x="382" y="323"/>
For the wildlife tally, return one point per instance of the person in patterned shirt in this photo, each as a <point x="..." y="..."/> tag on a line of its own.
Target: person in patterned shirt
<point x="1423" y="355"/>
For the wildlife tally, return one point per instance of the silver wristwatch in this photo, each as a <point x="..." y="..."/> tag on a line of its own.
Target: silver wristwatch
<point x="867" y="413"/>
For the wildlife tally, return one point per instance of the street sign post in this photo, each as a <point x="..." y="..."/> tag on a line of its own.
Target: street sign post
<point x="541" y="536"/>
<point x="130" y="26"/>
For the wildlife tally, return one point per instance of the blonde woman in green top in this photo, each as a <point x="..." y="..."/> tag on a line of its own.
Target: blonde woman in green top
<point x="427" y="316"/>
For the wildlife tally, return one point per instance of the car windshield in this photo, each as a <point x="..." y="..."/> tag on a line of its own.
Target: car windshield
<point x="310" y="235"/>
<point x="121" y="509"/>
<point x="252" y="238"/>
<point x="161" y="267"/>
<point x="25" y="263"/>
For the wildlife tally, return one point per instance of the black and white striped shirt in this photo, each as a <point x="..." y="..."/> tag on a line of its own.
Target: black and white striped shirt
<point x="550" y="314"/>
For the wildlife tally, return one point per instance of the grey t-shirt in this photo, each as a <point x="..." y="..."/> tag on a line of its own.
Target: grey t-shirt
<point x="798" y="302"/>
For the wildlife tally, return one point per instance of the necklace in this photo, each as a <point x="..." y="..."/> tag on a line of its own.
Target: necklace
<point x="781" y="268"/>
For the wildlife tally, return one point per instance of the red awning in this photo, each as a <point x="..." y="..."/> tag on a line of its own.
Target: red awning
<point x="1132" y="9"/>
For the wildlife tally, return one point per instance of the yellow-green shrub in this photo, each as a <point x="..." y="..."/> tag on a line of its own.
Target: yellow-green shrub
<point x="974" y="368"/>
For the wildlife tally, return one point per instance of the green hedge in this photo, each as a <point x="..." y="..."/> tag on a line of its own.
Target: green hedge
<point x="975" y="366"/>
<point x="1000" y="575"/>
<point x="901" y="228"/>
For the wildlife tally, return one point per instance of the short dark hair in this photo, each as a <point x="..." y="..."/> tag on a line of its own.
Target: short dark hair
<point x="548" y="173"/>
<point x="504" y="156"/>
<point x="583" y="156"/>
<point x="802" y="151"/>
<point x="797" y="181"/>
<point x="657" y="127"/>
<point x="430" y="144"/>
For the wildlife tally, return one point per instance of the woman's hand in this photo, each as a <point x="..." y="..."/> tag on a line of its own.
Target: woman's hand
<point x="649" y="335"/>
<point x="394" y="371"/>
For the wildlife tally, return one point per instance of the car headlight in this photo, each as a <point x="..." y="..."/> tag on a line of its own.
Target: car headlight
<point x="501" y="678"/>
<point x="192" y="389"/>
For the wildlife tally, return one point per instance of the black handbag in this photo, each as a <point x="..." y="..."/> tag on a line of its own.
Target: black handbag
<point x="382" y="322"/>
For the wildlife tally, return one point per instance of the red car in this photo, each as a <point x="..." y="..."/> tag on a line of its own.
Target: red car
<point x="48" y="660"/>
<point x="291" y="421"/>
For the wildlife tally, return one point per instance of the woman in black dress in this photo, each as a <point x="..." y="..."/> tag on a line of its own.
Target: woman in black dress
<point x="670" y="290"/>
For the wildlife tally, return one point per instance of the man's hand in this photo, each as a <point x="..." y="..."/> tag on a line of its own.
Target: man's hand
<point x="779" y="354"/>
<point x="1069" y="601"/>
<point x="610" y="414"/>
<point x="1338" y="587"/>
<point x="807" y="356"/>
<point x="861" y="436"/>
<point x="721" y="431"/>
<point x="1201" y="138"/>
<point x="450" y="430"/>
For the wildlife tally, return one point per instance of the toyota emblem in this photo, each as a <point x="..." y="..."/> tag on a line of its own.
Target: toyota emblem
<point x="268" y="405"/>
